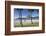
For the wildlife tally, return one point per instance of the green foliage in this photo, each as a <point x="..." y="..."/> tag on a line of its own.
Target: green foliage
<point x="27" y="24"/>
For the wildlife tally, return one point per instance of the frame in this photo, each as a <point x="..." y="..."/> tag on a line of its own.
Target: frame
<point x="8" y="17"/>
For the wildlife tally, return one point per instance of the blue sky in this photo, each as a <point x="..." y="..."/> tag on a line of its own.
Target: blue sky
<point x="25" y="13"/>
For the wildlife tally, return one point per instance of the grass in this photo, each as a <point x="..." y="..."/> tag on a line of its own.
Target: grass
<point x="27" y="24"/>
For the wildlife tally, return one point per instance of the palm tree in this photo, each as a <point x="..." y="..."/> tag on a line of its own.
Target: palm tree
<point x="20" y="16"/>
<point x="37" y="12"/>
<point x="30" y="15"/>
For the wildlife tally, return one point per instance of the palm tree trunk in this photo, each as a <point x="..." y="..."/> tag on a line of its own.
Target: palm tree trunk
<point x="31" y="18"/>
<point x="31" y="21"/>
<point x="21" y="18"/>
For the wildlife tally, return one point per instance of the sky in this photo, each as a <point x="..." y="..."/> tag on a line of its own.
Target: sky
<point x="25" y="13"/>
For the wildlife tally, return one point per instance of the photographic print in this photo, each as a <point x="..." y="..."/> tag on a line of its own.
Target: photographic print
<point x="23" y="18"/>
<point x="26" y="17"/>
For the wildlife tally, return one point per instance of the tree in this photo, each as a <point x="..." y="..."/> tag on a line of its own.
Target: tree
<point x="20" y="16"/>
<point x="37" y="12"/>
<point x="30" y="15"/>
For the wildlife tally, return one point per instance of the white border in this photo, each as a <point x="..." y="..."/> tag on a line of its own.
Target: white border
<point x="26" y="28"/>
